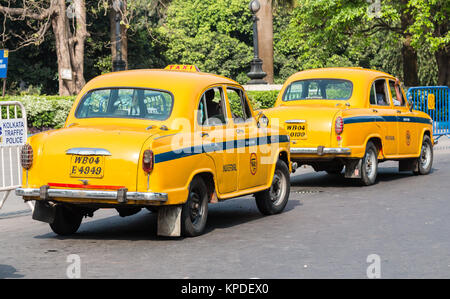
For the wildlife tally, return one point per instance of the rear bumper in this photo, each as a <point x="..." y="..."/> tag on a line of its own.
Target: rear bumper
<point x="320" y="150"/>
<point x="120" y="195"/>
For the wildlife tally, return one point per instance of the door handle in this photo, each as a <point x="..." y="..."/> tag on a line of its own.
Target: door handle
<point x="239" y="131"/>
<point x="399" y="111"/>
<point x="204" y="134"/>
<point x="375" y="110"/>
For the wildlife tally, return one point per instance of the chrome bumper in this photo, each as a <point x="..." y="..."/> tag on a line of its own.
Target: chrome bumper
<point x="320" y="150"/>
<point x="119" y="195"/>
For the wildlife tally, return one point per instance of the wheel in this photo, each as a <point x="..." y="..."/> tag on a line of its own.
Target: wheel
<point x="335" y="170"/>
<point x="66" y="222"/>
<point x="274" y="200"/>
<point x="195" y="211"/>
<point x="152" y="209"/>
<point x="369" y="165"/>
<point x="425" y="160"/>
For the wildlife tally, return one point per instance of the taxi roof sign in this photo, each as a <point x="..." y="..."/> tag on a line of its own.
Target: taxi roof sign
<point x="182" y="67"/>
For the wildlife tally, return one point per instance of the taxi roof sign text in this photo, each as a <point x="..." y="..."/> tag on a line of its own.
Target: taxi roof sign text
<point x="182" y="67"/>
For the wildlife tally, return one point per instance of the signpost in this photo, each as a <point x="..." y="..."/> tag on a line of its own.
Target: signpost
<point x="3" y="68"/>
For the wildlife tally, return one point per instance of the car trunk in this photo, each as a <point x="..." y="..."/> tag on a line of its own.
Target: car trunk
<point x="114" y="163"/>
<point x="309" y="125"/>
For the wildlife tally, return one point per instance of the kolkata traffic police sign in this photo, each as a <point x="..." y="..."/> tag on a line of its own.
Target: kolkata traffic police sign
<point x="12" y="132"/>
<point x="3" y="63"/>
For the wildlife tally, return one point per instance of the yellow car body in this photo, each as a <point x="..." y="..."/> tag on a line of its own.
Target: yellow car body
<point x="311" y="101"/>
<point x="98" y="161"/>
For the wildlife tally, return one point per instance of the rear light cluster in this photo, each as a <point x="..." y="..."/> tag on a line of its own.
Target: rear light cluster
<point x="26" y="156"/>
<point x="339" y="125"/>
<point x="147" y="161"/>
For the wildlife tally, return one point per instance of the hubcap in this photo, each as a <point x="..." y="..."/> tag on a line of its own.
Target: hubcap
<point x="425" y="156"/>
<point x="195" y="207"/>
<point x="278" y="188"/>
<point x="371" y="164"/>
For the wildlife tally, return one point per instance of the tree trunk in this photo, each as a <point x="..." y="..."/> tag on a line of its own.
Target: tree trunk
<point x="443" y="62"/>
<point x="265" y="38"/>
<point x="70" y="47"/>
<point x="409" y="56"/>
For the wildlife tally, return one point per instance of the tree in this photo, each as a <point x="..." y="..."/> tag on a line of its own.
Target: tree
<point x="68" y="24"/>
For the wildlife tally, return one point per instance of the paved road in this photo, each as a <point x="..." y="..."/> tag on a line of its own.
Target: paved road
<point x="329" y="228"/>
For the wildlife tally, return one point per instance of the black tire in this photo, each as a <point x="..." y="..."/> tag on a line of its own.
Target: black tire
<point x="369" y="165"/>
<point x="195" y="211"/>
<point x="425" y="160"/>
<point x="273" y="200"/>
<point x="66" y="222"/>
<point x="335" y="170"/>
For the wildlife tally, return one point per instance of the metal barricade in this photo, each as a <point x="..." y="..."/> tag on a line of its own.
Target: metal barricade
<point x="421" y="98"/>
<point x="13" y="135"/>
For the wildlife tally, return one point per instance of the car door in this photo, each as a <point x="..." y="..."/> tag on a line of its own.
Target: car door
<point x="251" y="166"/>
<point x="214" y="127"/>
<point x="385" y="116"/>
<point x="407" y="133"/>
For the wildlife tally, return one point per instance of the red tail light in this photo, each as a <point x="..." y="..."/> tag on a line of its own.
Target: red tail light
<point x="147" y="161"/>
<point x="339" y="125"/>
<point x="26" y="156"/>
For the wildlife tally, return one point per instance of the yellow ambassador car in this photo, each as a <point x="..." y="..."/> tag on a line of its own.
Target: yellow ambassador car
<point x="352" y="117"/>
<point x="168" y="140"/>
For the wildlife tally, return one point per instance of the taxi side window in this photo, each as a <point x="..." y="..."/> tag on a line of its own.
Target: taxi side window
<point x="211" y="109"/>
<point x="380" y="95"/>
<point x="240" y="110"/>
<point x="397" y="97"/>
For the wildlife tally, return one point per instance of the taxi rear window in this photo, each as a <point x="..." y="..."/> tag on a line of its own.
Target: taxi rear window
<point x="319" y="89"/>
<point x="126" y="103"/>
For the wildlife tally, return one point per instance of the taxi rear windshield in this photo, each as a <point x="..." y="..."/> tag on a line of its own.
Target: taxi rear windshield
<point x="126" y="103"/>
<point x="319" y="89"/>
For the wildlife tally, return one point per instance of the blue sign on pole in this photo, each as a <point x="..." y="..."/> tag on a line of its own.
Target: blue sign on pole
<point x="3" y="63"/>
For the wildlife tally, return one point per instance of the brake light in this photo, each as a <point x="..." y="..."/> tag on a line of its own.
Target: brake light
<point x="26" y="156"/>
<point x="147" y="161"/>
<point x="339" y="125"/>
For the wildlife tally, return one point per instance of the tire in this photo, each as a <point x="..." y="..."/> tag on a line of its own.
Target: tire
<point x="195" y="211"/>
<point x="425" y="160"/>
<point x="152" y="209"/>
<point x="66" y="222"/>
<point x="273" y="200"/>
<point x="369" y="165"/>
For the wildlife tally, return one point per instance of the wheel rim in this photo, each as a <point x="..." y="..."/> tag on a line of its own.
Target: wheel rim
<point x="196" y="209"/>
<point x="370" y="164"/>
<point x="278" y="188"/>
<point x="425" y="156"/>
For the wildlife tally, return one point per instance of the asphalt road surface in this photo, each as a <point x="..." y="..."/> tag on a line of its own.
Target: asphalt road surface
<point x="330" y="227"/>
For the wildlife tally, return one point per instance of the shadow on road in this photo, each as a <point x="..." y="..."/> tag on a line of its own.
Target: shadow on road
<point x="142" y="226"/>
<point x="322" y="179"/>
<point x="7" y="271"/>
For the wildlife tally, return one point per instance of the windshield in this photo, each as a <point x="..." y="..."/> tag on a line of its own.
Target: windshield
<point x="126" y="103"/>
<point x="318" y="89"/>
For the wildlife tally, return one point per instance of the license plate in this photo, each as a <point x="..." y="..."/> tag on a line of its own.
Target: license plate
<point x="87" y="166"/>
<point x="297" y="130"/>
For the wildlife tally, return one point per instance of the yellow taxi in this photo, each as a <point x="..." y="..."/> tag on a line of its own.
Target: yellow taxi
<point x="352" y="118"/>
<point x="169" y="140"/>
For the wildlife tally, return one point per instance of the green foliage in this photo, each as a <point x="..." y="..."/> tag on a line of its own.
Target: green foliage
<point x="262" y="99"/>
<point x="44" y="111"/>
<point x="215" y="35"/>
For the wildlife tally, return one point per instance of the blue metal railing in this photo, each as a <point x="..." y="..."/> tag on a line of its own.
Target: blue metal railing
<point x="440" y="114"/>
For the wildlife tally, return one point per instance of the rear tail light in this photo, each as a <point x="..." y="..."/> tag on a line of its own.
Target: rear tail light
<point x="339" y="125"/>
<point x="26" y="156"/>
<point x="147" y="161"/>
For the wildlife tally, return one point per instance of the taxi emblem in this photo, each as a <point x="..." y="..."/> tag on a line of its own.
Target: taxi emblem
<point x="253" y="163"/>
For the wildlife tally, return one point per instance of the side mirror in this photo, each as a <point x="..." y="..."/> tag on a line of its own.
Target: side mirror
<point x="262" y="120"/>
